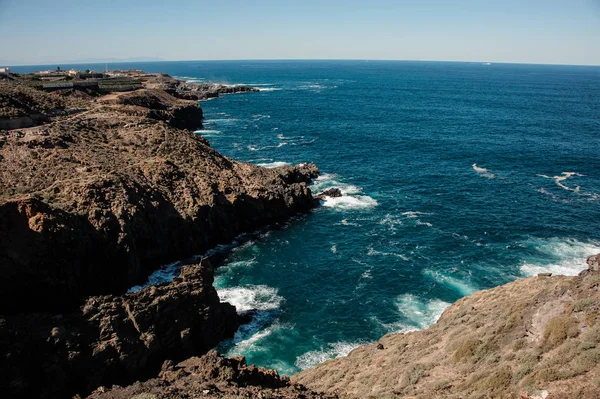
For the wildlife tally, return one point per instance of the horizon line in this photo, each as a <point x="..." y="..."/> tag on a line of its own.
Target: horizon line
<point x="150" y="60"/>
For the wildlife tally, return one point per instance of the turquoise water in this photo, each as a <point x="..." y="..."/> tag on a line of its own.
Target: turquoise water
<point x="456" y="177"/>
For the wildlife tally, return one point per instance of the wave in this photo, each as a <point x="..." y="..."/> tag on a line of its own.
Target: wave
<point x="558" y="180"/>
<point x="220" y="120"/>
<point x="269" y="88"/>
<point x="273" y="164"/>
<point x="483" y="172"/>
<point x="457" y="285"/>
<point x="331" y="351"/>
<point x="265" y="303"/>
<point x="250" y="297"/>
<point x="208" y="132"/>
<point x="163" y="275"/>
<point x="351" y="195"/>
<point x="373" y="252"/>
<point x="420" y="313"/>
<point x="558" y="256"/>
<point x="414" y="214"/>
<point x="253" y="148"/>
<point x="391" y="221"/>
<point x="315" y="87"/>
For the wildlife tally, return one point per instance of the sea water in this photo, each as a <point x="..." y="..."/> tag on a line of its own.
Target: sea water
<point x="455" y="177"/>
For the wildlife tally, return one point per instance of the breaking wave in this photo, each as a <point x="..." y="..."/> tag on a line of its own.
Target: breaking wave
<point x="558" y="256"/>
<point x="273" y="164"/>
<point x="483" y="172"/>
<point x="351" y="198"/>
<point x="331" y="351"/>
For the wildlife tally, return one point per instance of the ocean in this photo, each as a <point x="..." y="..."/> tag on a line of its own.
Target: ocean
<point x="456" y="177"/>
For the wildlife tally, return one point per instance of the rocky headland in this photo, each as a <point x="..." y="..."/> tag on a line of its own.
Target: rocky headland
<point x="97" y="194"/>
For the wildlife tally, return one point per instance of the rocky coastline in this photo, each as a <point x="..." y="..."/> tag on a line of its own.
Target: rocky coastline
<point x="99" y="192"/>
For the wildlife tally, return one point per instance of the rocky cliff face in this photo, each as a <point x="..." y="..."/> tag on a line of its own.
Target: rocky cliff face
<point x="533" y="338"/>
<point x="92" y="202"/>
<point x="113" y="339"/>
<point x="213" y="376"/>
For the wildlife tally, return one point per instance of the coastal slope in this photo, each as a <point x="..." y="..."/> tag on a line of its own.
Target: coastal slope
<point x="537" y="337"/>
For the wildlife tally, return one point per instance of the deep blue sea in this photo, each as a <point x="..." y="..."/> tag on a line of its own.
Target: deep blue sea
<point x="456" y="177"/>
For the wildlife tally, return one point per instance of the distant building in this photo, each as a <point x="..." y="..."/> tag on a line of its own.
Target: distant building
<point x="4" y="71"/>
<point x="73" y="72"/>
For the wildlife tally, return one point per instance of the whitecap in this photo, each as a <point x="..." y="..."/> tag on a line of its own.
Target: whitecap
<point x="373" y="252"/>
<point x="414" y="214"/>
<point x="334" y="249"/>
<point x="564" y="256"/>
<point x="269" y="88"/>
<point x="250" y="297"/>
<point x="331" y="351"/>
<point x="346" y="202"/>
<point x="483" y="172"/>
<point x="419" y="313"/>
<point x="350" y="198"/>
<point x="457" y="285"/>
<point x="273" y="164"/>
<point x="558" y="180"/>
<point x="208" y="132"/>
<point x="253" y="148"/>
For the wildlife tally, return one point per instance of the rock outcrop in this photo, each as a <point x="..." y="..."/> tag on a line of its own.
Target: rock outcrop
<point x="193" y="91"/>
<point x="182" y="114"/>
<point x="113" y="339"/>
<point x="533" y="338"/>
<point x="212" y="376"/>
<point x="91" y="203"/>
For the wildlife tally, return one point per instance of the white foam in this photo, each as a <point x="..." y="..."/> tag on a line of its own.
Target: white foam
<point x="220" y="120"/>
<point x="414" y="214"/>
<point x="273" y="164"/>
<point x="253" y="148"/>
<point x="559" y="256"/>
<point x="483" y="172"/>
<point x="350" y="198"/>
<point x="420" y="314"/>
<point x="208" y="133"/>
<point x="334" y="249"/>
<point x="346" y="202"/>
<point x="459" y="286"/>
<point x="250" y="297"/>
<point x="163" y="275"/>
<point x="373" y="252"/>
<point x="332" y="351"/>
<point x="269" y="88"/>
<point x="558" y="180"/>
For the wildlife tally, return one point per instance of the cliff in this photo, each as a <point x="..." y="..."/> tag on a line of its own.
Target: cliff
<point x="92" y="202"/>
<point x="533" y="338"/>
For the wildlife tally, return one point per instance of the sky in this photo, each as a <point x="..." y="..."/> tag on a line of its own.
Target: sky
<point x="522" y="31"/>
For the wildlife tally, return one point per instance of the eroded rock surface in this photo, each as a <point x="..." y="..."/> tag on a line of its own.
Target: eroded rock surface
<point x="212" y="376"/>
<point x="113" y="339"/>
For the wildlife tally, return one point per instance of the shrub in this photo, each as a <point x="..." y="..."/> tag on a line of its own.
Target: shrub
<point x="558" y="330"/>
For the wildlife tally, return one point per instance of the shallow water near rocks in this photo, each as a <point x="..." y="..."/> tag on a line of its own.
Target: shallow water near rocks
<point x="455" y="177"/>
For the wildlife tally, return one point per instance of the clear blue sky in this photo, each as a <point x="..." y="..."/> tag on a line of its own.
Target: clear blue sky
<point x="529" y="31"/>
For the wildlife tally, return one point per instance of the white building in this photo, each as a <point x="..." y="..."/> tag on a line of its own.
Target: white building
<point x="4" y="71"/>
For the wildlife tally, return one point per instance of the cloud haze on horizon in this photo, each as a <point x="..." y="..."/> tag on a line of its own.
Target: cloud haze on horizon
<point x="534" y="31"/>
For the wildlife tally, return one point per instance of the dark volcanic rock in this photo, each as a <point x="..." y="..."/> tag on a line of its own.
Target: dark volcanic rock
<point x="90" y="204"/>
<point x="113" y="339"/>
<point x="212" y="376"/>
<point x="332" y="192"/>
